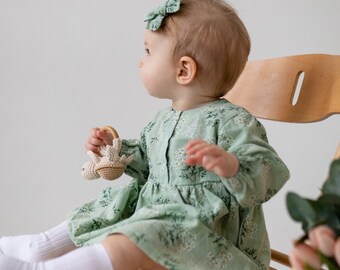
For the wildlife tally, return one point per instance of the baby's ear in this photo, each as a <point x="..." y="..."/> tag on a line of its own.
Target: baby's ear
<point x="186" y="70"/>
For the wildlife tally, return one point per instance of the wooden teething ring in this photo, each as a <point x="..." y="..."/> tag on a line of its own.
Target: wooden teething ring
<point x="111" y="130"/>
<point x="110" y="171"/>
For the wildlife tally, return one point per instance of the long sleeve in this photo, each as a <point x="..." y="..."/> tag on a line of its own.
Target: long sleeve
<point x="139" y="167"/>
<point x="262" y="173"/>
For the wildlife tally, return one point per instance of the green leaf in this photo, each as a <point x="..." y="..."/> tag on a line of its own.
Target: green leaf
<point x="329" y="261"/>
<point x="308" y="267"/>
<point x="324" y="210"/>
<point x="301" y="210"/>
<point x="332" y="184"/>
<point x="329" y="204"/>
<point x="330" y="200"/>
<point x="328" y="210"/>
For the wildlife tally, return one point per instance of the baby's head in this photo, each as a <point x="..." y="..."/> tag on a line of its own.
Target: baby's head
<point x="212" y="34"/>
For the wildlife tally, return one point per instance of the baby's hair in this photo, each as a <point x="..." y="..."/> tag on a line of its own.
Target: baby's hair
<point x="210" y="32"/>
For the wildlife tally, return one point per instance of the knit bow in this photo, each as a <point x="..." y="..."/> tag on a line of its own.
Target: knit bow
<point x="154" y="18"/>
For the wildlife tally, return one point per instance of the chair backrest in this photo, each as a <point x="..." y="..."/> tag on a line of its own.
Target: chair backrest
<point x="301" y="88"/>
<point x="296" y="89"/>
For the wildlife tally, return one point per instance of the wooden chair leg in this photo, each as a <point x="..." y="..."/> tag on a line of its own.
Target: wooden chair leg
<point x="280" y="257"/>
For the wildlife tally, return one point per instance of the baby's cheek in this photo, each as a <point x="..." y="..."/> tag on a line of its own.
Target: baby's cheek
<point x="146" y="79"/>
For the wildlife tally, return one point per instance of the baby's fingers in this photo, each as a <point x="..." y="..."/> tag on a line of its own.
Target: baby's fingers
<point x="105" y="136"/>
<point x="94" y="141"/>
<point x="91" y="147"/>
<point x="195" y="156"/>
<point x="97" y="139"/>
<point x="94" y="132"/>
<point x="193" y="144"/>
<point x="191" y="160"/>
<point x="206" y="150"/>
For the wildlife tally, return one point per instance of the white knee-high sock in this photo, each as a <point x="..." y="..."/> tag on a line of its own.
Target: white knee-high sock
<point x="38" y="247"/>
<point x="86" y="258"/>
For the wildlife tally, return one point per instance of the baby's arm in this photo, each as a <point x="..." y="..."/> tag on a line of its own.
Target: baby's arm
<point x="261" y="173"/>
<point x="212" y="158"/>
<point x="248" y="166"/>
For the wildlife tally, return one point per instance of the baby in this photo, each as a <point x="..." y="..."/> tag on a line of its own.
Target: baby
<point x="202" y="167"/>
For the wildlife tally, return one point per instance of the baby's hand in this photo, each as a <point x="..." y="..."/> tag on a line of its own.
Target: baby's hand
<point x="212" y="158"/>
<point x="97" y="139"/>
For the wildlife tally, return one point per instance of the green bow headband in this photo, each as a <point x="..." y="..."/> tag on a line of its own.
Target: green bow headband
<point x="154" y="18"/>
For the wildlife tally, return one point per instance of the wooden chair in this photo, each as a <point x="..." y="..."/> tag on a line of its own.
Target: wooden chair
<point x="295" y="89"/>
<point x="270" y="89"/>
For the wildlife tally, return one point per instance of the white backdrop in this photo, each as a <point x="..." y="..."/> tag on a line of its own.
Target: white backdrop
<point x="69" y="65"/>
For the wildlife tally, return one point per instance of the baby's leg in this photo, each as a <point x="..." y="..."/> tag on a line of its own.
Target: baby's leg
<point x="89" y="258"/>
<point x="38" y="247"/>
<point x="125" y="255"/>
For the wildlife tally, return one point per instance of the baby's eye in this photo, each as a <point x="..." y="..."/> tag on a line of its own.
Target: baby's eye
<point x="147" y="51"/>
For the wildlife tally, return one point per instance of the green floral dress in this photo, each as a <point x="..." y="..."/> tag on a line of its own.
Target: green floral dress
<point x="185" y="217"/>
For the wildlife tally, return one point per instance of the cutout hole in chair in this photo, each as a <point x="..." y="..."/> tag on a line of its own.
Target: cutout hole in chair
<point x="297" y="87"/>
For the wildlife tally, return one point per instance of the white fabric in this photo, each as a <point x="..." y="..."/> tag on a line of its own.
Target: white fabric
<point x="38" y="247"/>
<point x="86" y="258"/>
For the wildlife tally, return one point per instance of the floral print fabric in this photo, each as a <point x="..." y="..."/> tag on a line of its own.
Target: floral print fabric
<point x="185" y="217"/>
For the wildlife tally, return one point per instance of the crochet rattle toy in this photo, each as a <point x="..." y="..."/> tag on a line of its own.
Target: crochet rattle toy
<point x="109" y="165"/>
